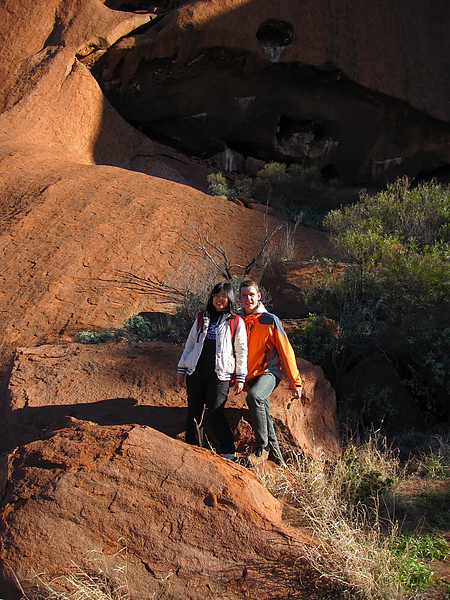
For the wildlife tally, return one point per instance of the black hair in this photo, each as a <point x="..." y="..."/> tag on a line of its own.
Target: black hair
<point x="226" y="289"/>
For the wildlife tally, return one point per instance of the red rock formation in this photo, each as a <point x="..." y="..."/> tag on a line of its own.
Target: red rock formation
<point x="122" y="500"/>
<point x="114" y="384"/>
<point x="72" y="233"/>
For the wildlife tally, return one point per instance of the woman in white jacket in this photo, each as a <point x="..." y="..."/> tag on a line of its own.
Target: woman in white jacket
<point x="215" y="356"/>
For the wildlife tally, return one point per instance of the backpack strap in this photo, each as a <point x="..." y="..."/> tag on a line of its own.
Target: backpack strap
<point x="200" y="321"/>
<point x="233" y="322"/>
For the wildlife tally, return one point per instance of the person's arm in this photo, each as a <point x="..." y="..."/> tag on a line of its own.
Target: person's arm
<point x="287" y="356"/>
<point x="188" y="347"/>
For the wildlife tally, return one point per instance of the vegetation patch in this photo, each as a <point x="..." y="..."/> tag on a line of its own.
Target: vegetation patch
<point x="349" y="508"/>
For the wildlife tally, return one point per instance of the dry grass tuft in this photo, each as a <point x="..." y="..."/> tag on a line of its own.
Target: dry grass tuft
<point x="353" y="545"/>
<point x="97" y="582"/>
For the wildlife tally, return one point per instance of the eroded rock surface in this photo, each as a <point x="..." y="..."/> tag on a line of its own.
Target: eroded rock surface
<point x="82" y="235"/>
<point x="115" y="384"/>
<point x="338" y="86"/>
<point x="123" y="500"/>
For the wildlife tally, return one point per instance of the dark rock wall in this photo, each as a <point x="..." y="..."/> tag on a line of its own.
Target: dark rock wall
<point x="359" y="90"/>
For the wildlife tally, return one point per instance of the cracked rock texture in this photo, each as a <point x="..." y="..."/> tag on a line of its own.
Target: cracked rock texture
<point x="122" y="500"/>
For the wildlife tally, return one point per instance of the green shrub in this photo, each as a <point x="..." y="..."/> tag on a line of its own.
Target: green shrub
<point x="429" y="367"/>
<point x="412" y="552"/>
<point x="436" y="503"/>
<point x="363" y="483"/>
<point x="137" y="329"/>
<point x="93" y="337"/>
<point x="301" y="189"/>
<point x="218" y="185"/>
<point x="370" y="408"/>
<point x="396" y="245"/>
<point x="338" y="345"/>
<point x="428" y="547"/>
<point x="316" y="342"/>
<point x="403" y="236"/>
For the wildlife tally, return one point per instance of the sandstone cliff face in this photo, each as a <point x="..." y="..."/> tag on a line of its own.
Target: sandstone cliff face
<point x="73" y="233"/>
<point x="360" y="89"/>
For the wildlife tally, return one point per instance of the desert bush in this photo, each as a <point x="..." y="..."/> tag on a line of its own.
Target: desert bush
<point x="339" y="503"/>
<point x="401" y="235"/>
<point x="93" y="337"/>
<point x="288" y="184"/>
<point x="301" y="189"/>
<point x="137" y="329"/>
<point x="219" y="186"/>
<point x="284" y="246"/>
<point x="428" y="373"/>
<point x="349" y="333"/>
<point x="396" y="246"/>
<point x="371" y="407"/>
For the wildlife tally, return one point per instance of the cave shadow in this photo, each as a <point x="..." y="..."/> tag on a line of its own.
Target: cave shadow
<point x="25" y="425"/>
<point x="147" y="148"/>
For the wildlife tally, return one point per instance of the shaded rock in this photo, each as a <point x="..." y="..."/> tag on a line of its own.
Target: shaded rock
<point x="319" y="86"/>
<point x="373" y="392"/>
<point x="124" y="500"/>
<point x="229" y="161"/>
<point x="115" y="384"/>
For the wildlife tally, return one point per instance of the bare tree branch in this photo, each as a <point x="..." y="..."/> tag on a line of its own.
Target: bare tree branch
<point x="214" y="254"/>
<point x="217" y="256"/>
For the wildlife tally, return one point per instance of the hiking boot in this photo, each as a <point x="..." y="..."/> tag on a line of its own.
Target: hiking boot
<point x="232" y="457"/>
<point x="257" y="457"/>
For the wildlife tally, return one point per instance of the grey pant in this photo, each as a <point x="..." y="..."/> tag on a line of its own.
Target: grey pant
<point x="259" y="407"/>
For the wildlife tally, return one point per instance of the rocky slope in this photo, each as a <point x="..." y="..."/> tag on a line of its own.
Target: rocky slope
<point x="74" y="233"/>
<point x="95" y="214"/>
<point x="122" y="501"/>
<point x="116" y="384"/>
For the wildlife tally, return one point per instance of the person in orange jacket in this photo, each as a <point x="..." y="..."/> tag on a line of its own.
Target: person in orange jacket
<point x="269" y="350"/>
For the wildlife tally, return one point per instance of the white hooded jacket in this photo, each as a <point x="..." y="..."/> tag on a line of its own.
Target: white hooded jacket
<point x="231" y="354"/>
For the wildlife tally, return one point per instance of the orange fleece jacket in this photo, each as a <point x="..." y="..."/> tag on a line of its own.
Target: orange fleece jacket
<point x="269" y="348"/>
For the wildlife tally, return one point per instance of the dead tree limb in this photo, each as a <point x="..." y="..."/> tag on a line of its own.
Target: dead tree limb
<point x="216" y="255"/>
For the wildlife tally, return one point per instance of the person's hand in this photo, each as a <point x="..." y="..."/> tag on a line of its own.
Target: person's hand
<point x="238" y="387"/>
<point x="296" y="393"/>
<point x="181" y="379"/>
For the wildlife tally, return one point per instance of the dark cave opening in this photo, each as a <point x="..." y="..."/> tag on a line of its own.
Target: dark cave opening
<point x="275" y="33"/>
<point x="288" y="126"/>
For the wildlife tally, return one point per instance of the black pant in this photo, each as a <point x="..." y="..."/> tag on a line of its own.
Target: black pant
<point x="210" y="391"/>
